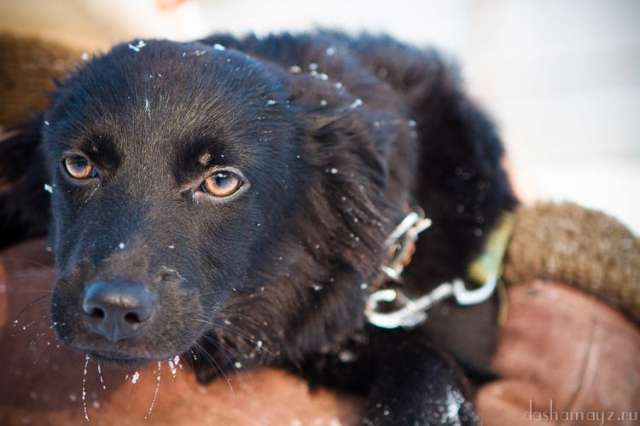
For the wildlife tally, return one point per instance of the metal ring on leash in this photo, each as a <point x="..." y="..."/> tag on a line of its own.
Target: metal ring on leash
<point x="401" y="243"/>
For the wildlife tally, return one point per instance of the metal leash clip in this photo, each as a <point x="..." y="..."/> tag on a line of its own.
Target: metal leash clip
<point x="414" y="311"/>
<point x="407" y="312"/>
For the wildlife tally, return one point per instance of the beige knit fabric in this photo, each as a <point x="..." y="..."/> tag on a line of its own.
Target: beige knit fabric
<point x="584" y="248"/>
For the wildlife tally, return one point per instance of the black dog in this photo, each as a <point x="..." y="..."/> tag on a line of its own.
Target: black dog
<point x="232" y="198"/>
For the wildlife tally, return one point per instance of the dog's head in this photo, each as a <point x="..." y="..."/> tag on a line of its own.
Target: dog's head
<point x="194" y="186"/>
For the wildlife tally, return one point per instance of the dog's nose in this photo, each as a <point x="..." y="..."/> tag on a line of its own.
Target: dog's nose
<point x="117" y="310"/>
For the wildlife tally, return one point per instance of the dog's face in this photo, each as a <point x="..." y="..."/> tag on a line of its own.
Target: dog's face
<point x="176" y="173"/>
<point x="172" y="175"/>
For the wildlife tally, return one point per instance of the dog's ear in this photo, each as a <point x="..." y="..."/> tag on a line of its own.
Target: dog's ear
<point x="347" y="204"/>
<point x="24" y="203"/>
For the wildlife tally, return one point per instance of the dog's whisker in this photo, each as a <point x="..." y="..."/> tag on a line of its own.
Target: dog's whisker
<point x="29" y="262"/>
<point x="231" y="331"/>
<point x="231" y="358"/>
<point x="258" y="345"/>
<point x="33" y="325"/>
<point x="33" y="303"/>
<point x="84" y="387"/>
<point x="227" y="325"/>
<point x="100" y="378"/>
<point x="215" y="364"/>
<point x="155" y="391"/>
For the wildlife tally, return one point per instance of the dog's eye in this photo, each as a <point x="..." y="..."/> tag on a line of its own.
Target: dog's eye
<point x="222" y="183"/>
<point x="79" y="167"/>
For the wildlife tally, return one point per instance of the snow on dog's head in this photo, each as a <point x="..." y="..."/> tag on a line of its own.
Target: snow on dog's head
<point x="202" y="197"/>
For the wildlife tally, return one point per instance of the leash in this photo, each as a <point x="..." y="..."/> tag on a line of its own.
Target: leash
<point x="485" y="269"/>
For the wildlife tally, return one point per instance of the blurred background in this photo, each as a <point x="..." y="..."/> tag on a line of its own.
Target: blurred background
<point x="561" y="78"/>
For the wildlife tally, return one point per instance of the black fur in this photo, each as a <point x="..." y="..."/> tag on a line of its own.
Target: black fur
<point x="338" y="137"/>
